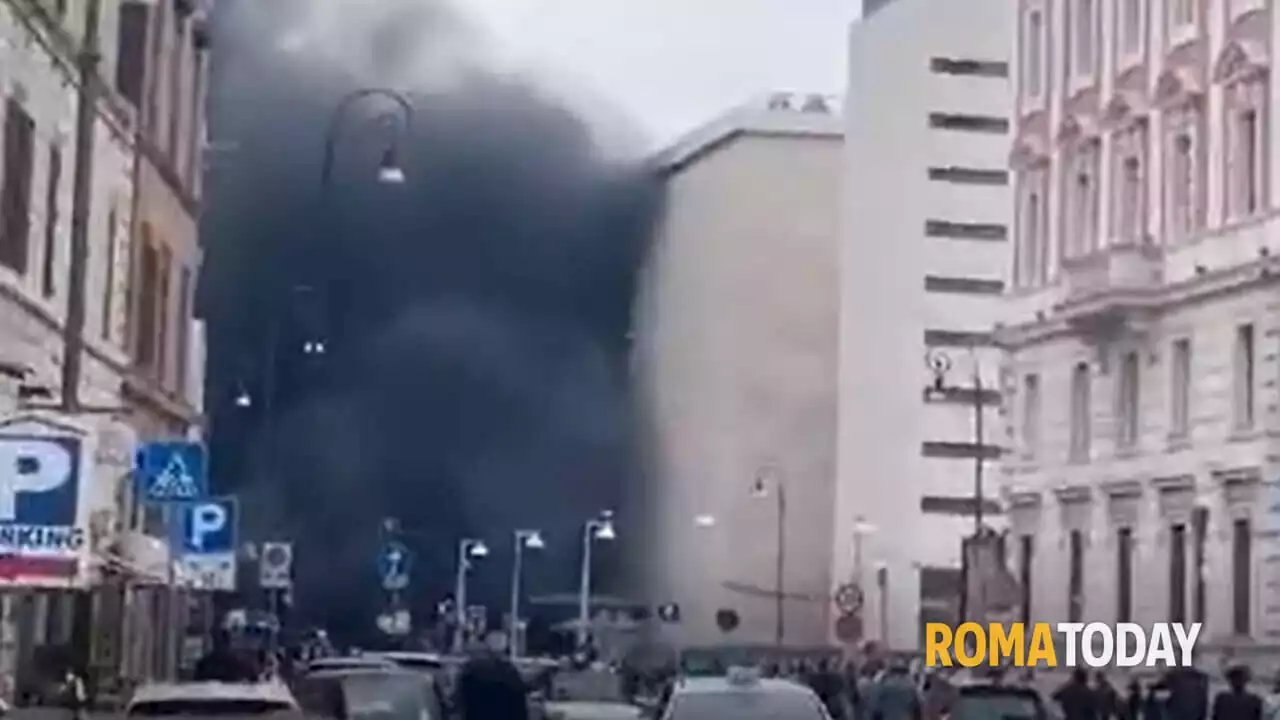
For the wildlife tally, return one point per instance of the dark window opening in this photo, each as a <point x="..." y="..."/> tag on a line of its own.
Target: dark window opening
<point x="963" y="285"/>
<point x="980" y="68"/>
<point x="966" y="231"/>
<point x="1241" y="576"/>
<point x="1124" y="575"/>
<point x="15" y="196"/>
<point x="957" y="338"/>
<point x="1075" y="580"/>
<point x="109" y="287"/>
<point x="1178" y="573"/>
<point x="149" y="287"/>
<point x="1026" y="560"/>
<point x="962" y="396"/>
<point x="48" y="263"/>
<point x="957" y="506"/>
<point x="131" y="53"/>
<point x="969" y="123"/>
<point x="969" y="176"/>
<point x="184" y="331"/>
<point x="958" y="450"/>
<point x="1200" y="536"/>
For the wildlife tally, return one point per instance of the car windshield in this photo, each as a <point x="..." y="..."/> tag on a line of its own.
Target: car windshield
<point x="371" y="696"/>
<point x="995" y="704"/>
<point x="214" y="708"/>
<point x="747" y="706"/>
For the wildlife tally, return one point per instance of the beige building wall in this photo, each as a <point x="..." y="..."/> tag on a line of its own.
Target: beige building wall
<point x="735" y="367"/>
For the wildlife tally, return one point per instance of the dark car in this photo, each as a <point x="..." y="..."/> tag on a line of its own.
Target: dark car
<point x="369" y="694"/>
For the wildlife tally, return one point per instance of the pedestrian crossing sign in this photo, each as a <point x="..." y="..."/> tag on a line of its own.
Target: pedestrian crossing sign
<point x="172" y="472"/>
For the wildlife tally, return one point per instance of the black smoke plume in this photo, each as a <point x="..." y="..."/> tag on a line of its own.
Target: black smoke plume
<point x="473" y="320"/>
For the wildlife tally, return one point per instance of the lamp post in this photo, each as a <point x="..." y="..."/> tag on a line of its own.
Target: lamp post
<point x="770" y="483"/>
<point x="531" y="539"/>
<point x="939" y="364"/>
<point x="468" y="549"/>
<point x="598" y="528"/>
<point x="389" y="170"/>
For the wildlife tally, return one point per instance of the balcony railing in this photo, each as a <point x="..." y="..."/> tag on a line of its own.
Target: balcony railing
<point x="1124" y="272"/>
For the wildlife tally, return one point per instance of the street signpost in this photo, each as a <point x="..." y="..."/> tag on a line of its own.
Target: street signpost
<point x="394" y="561"/>
<point x="169" y="472"/>
<point x="275" y="566"/>
<point x="209" y="542"/>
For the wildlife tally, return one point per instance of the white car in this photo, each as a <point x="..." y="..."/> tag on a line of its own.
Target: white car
<point x="211" y="699"/>
<point x="352" y="662"/>
<point x="743" y="695"/>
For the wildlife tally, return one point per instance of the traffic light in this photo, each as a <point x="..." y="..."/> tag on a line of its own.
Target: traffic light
<point x="669" y="613"/>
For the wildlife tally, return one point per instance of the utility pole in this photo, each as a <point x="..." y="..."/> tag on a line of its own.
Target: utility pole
<point x="88" y="93"/>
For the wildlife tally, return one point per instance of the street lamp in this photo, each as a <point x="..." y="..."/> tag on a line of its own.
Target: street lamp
<point x="389" y="170"/>
<point x="704" y="521"/>
<point x="531" y="539"/>
<point x="769" y="482"/>
<point x="468" y="550"/>
<point x="598" y="528"/>
<point x="939" y="364"/>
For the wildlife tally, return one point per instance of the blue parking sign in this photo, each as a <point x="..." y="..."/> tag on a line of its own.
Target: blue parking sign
<point x="172" y="472"/>
<point x="209" y="526"/>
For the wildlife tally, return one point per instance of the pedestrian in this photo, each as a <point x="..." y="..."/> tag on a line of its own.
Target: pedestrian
<point x="1237" y="702"/>
<point x="826" y="685"/>
<point x="75" y="694"/>
<point x="940" y="695"/>
<point x="489" y="685"/>
<point x="894" y="696"/>
<point x="1272" y="709"/>
<point x="222" y="663"/>
<point x="1076" y="699"/>
<point x="1132" y="709"/>
<point x="1109" y="706"/>
<point x="1156" y="704"/>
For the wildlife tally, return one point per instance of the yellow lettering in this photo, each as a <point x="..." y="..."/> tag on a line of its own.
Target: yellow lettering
<point x="1042" y="647"/>
<point x="962" y="647"/>
<point x="1005" y="643"/>
<point x="937" y="644"/>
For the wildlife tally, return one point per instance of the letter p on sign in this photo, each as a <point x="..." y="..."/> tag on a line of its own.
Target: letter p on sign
<point x="206" y="519"/>
<point x="30" y="465"/>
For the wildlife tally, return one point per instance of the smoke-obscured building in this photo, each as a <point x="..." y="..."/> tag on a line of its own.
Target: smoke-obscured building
<point x="926" y="255"/>
<point x="735" y="371"/>
<point x="1142" y="325"/>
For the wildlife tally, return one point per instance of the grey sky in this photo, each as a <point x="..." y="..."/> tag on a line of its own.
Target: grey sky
<point x="672" y="64"/>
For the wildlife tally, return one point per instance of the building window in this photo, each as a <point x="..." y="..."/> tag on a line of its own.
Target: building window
<point x="158" y="30"/>
<point x="1241" y="576"/>
<point x="1031" y="255"/>
<point x="1075" y="579"/>
<point x="1033" y="63"/>
<point x="957" y="506"/>
<point x="1127" y="401"/>
<point x="148" y="299"/>
<point x="1081" y="412"/>
<point x="962" y="285"/>
<point x="1199" y="539"/>
<point x="1130" y="26"/>
<point x="1082" y="190"/>
<point x="958" y="450"/>
<point x="956" y="338"/>
<point x="1246" y="158"/>
<point x="1178" y="573"/>
<point x="1184" y="174"/>
<point x="1031" y="415"/>
<point x="1244" y="377"/>
<point x="969" y="123"/>
<point x="1124" y="575"/>
<point x="980" y="68"/>
<point x="1182" y="14"/>
<point x="965" y="230"/>
<point x="1026" y="558"/>
<point x="131" y="52"/>
<point x="52" y="193"/>
<point x="1130" y="185"/>
<point x="969" y="176"/>
<point x="109" y="286"/>
<point x="1180" y="389"/>
<point x="164" y="319"/>
<point x="177" y="73"/>
<point x="15" y="195"/>
<point x="184" y="331"/>
<point x="1084" y="29"/>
